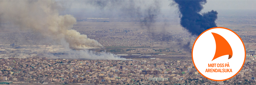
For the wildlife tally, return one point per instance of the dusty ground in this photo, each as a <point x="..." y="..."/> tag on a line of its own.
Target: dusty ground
<point x="128" y="37"/>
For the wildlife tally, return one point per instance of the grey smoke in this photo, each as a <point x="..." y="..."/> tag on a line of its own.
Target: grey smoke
<point x="42" y="17"/>
<point x="147" y="14"/>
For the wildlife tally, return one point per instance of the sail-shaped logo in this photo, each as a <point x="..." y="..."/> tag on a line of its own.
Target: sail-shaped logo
<point x="222" y="47"/>
<point x="218" y="54"/>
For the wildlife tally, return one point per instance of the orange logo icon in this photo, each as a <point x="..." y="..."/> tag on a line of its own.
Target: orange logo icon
<point x="222" y="47"/>
<point x="218" y="54"/>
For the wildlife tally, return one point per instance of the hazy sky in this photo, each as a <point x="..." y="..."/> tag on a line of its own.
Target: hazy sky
<point x="231" y="4"/>
<point x="222" y="6"/>
<point x="211" y="4"/>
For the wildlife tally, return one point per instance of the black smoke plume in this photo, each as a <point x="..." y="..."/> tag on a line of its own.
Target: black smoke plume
<point x="192" y="20"/>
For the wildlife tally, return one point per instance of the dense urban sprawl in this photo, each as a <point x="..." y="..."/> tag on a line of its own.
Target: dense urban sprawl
<point x="147" y="71"/>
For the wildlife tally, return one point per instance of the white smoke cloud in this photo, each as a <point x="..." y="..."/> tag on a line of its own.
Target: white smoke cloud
<point x="42" y="16"/>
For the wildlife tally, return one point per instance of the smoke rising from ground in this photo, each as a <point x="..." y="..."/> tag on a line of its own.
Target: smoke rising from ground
<point x="191" y="20"/>
<point x="148" y="15"/>
<point x="42" y="16"/>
